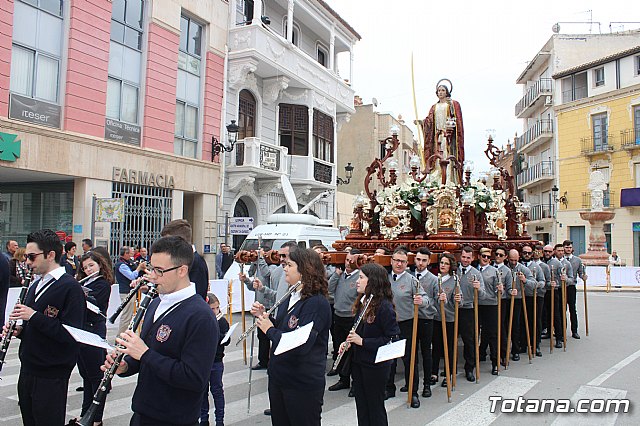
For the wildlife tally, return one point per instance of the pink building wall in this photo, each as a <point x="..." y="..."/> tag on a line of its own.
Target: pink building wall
<point x="213" y="92"/>
<point x="160" y="89"/>
<point x="87" y="67"/>
<point x="6" y="35"/>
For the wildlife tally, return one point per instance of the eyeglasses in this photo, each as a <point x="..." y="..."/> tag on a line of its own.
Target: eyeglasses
<point x="500" y="255"/>
<point x="398" y="260"/>
<point x="32" y="256"/>
<point x="486" y="256"/>
<point x="527" y="252"/>
<point x="160" y="272"/>
<point x="548" y="251"/>
<point x="283" y="256"/>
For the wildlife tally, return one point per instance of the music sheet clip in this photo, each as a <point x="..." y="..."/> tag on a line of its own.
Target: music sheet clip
<point x="293" y="339"/>
<point x="87" y="338"/>
<point x="229" y="333"/>
<point x="391" y="351"/>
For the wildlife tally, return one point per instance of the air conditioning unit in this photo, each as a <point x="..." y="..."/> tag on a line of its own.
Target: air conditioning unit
<point x="548" y="101"/>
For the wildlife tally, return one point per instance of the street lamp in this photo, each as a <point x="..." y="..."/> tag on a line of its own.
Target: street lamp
<point x="348" y="172"/>
<point x="232" y="137"/>
<point x="563" y="199"/>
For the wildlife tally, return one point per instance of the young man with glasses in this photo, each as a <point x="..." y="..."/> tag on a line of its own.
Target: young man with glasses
<point x="488" y="308"/>
<point x="47" y="351"/>
<point x="507" y="279"/>
<point x="176" y="347"/>
<point x="407" y="292"/>
<point x="538" y="274"/>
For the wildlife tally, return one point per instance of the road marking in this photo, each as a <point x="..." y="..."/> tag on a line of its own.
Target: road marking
<point x="113" y="408"/>
<point x="613" y="370"/>
<point x="479" y="403"/>
<point x="588" y="419"/>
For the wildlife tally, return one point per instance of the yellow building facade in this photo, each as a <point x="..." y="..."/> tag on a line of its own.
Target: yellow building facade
<point x="601" y="131"/>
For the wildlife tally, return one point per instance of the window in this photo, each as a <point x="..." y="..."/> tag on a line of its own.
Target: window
<point x="598" y="76"/>
<point x="600" y="132"/>
<point x="246" y="115"/>
<point x="636" y="167"/>
<point x="322" y="136"/>
<point x="295" y="35"/>
<point x="574" y="87"/>
<point x="294" y="128"/>
<point x="188" y="88"/>
<point x="125" y="61"/>
<point x="636" y="124"/>
<point x="35" y="55"/>
<point x="637" y="59"/>
<point x="322" y="55"/>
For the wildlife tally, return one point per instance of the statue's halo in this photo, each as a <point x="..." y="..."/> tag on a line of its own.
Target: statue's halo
<point x="447" y="80"/>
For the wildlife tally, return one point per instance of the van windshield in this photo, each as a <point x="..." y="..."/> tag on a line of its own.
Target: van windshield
<point x="252" y="244"/>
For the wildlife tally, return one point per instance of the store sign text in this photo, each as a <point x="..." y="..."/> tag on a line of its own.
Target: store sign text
<point x="142" y="178"/>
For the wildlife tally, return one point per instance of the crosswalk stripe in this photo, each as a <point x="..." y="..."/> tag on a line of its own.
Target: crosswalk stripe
<point x="588" y="419"/>
<point x="479" y="403"/>
<point x="613" y="370"/>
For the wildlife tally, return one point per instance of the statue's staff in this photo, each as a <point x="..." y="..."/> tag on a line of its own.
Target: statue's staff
<point x="418" y="123"/>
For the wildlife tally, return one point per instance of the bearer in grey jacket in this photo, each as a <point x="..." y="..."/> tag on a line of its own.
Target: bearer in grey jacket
<point x="538" y="274"/>
<point x="429" y="283"/>
<point x="537" y="256"/>
<point x="521" y="276"/>
<point x="578" y="271"/>
<point x="504" y="272"/>
<point x="470" y="279"/>
<point x="488" y="309"/>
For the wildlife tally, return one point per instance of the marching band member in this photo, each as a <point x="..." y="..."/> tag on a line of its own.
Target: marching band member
<point x="176" y="348"/>
<point x="377" y="327"/>
<point x="296" y="377"/>
<point x="98" y="291"/>
<point x="47" y="351"/>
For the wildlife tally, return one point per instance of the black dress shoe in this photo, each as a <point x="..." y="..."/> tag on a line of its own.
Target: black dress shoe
<point x="259" y="367"/>
<point x="538" y="352"/>
<point x="389" y="394"/>
<point x="332" y="372"/>
<point x="558" y="344"/>
<point x="470" y="377"/>
<point x="503" y="362"/>
<point x="339" y="386"/>
<point x="494" y="370"/>
<point x="433" y="380"/>
<point x="575" y="335"/>
<point x="515" y="357"/>
<point x="426" y="392"/>
<point x="415" y="402"/>
<point x="405" y="388"/>
<point x="267" y="412"/>
<point x="351" y="393"/>
<point x="444" y="383"/>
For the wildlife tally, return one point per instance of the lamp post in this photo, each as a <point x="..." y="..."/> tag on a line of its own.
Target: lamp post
<point x="232" y="137"/>
<point x="348" y="173"/>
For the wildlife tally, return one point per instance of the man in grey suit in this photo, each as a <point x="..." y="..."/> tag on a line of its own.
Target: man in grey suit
<point x="538" y="274"/>
<point x="521" y="276"/>
<point x="578" y="271"/>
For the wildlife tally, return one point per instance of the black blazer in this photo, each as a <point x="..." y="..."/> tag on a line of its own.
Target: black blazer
<point x="199" y="274"/>
<point x="375" y="333"/>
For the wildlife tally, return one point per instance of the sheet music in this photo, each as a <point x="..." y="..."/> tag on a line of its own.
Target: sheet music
<point x="293" y="339"/>
<point x="93" y="308"/>
<point x="391" y="351"/>
<point x="86" y="338"/>
<point x="229" y="333"/>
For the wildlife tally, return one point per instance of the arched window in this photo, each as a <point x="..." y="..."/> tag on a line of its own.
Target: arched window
<point x="246" y="115"/>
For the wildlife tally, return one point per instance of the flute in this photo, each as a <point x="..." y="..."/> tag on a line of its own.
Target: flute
<point x="112" y="318"/>
<point x="269" y="312"/>
<point x="13" y="324"/>
<point x="355" y="326"/>
<point x="101" y="394"/>
<point x="88" y="277"/>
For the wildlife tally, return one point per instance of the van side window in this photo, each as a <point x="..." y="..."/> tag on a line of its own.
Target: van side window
<point x="302" y="244"/>
<point x="313" y="243"/>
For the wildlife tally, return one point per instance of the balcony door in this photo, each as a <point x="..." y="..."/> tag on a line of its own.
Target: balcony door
<point x="246" y="115"/>
<point x="600" y="132"/>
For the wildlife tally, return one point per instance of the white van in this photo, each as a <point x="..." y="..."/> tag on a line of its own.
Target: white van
<point x="306" y="230"/>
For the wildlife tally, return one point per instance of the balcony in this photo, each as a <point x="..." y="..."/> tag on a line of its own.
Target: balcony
<point x="630" y="139"/>
<point x="535" y="95"/>
<point x="260" y="159"/>
<point x="259" y="50"/>
<point x="535" y="174"/>
<point x="542" y="211"/>
<point x="312" y="171"/>
<point x="607" y="201"/>
<point x="630" y="197"/>
<point x="593" y="146"/>
<point x="540" y="132"/>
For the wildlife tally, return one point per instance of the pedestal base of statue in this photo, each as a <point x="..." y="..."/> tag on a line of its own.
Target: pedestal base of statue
<point x="596" y="254"/>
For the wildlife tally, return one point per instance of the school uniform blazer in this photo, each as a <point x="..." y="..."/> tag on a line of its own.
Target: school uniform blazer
<point x="303" y="367"/>
<point x="376" y="330"/>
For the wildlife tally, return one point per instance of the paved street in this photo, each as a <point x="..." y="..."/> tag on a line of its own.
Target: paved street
<point x="604" y="365"/>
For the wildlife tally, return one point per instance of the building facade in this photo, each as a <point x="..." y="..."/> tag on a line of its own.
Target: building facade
<point x="601" y="131"/>
<point x="289" y="97"/>
<point x="536" y="149"/>
<point x="110" y="100"/>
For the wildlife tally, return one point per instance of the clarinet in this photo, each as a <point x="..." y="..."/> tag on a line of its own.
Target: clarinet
<point x="355" y="326"/>
<point x="273" y="308"/>
<point x="13" y="324"/>
<point x="101" y="394"/>
<point x="112" y="318"/>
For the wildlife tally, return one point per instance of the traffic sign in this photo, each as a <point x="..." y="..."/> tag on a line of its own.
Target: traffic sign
<point x="240" y="225"/>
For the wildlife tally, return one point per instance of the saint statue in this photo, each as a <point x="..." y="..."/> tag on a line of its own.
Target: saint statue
<point x="444" y="138"/>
